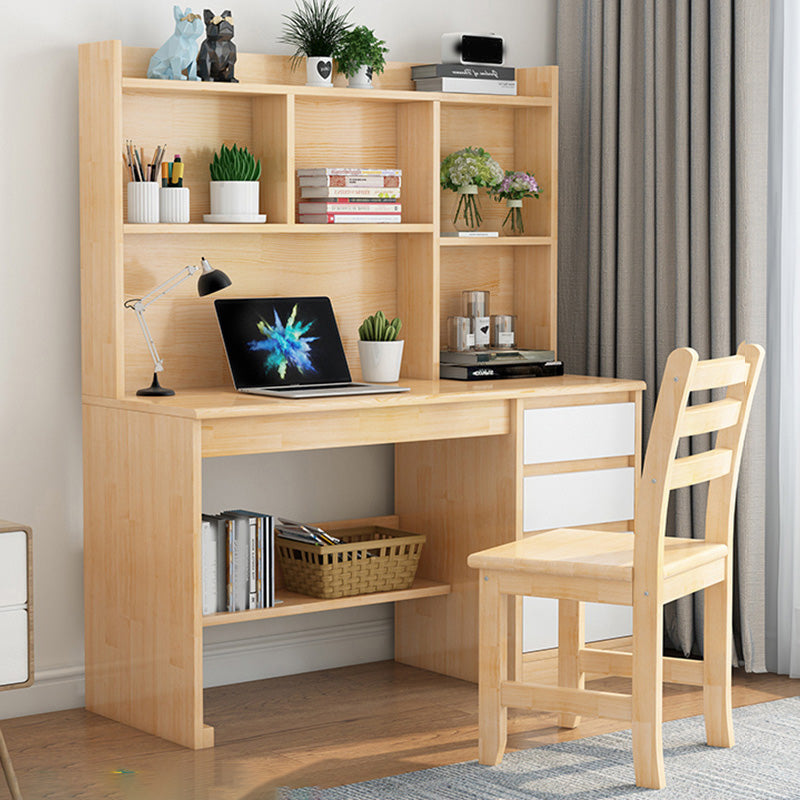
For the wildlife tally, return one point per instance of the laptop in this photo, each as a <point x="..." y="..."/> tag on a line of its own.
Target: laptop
<point x="287" y="347"/>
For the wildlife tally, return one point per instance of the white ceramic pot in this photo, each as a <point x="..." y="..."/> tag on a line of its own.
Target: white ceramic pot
<point x="362" y="79"/>
<point x="380" y="361"/>
<point x="319" y="71"/>
<point x="142" y="201"/>
<point x="234" y="201"/>
<point x="173" y="204"/>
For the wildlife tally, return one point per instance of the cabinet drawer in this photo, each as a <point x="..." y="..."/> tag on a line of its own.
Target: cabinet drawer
<point x="13" y="568"/>
<point x="540" y="622"/>
<point x="14" y="652"/>
<point x="572" y="433"/>
<point x="577" y="498"/>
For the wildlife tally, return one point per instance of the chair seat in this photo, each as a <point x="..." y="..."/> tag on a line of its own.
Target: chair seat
<point x="602" y="555"/>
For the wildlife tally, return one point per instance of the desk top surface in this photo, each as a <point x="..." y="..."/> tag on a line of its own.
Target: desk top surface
<point x="224" y="402"/>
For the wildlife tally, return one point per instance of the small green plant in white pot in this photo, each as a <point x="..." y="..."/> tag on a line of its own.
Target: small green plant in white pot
<point x="314" y="29"/>
<point x="234" y="186"/>
<point x="379" y="349"/>
<point x="360" y="55"/>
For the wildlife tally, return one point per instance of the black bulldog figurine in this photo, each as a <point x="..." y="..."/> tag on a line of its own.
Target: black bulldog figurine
<point x="217" y="53"/>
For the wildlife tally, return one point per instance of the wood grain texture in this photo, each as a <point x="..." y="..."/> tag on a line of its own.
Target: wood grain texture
<point x="100" y="152"/>
<point x="142" y="511"/>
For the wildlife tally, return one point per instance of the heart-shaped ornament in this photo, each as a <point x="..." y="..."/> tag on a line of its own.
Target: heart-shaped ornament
<point x="324" y="69"/>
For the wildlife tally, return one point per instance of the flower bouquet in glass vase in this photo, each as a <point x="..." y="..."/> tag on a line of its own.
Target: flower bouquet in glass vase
<point x="513" y="188"/>
<point x="464" y="172"/>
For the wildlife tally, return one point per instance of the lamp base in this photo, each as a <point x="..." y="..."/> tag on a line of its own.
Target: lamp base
<point x="155" y="389"/>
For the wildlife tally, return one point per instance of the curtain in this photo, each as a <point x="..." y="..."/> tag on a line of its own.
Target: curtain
<point x="783" y="337"/>
<point x="662" y="222"/>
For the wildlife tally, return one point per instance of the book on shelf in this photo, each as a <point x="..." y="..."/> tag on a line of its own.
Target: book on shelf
<point x="344" y="205"/>
<point x="260" y="568"/>
<point x="358" y="192"/>
<point x="327" y="219"/>
<point x="472" y="234"/>
<point x="466" y="86"/>
<point x="315" y="171"/>
<point x="471" y="71"/>
<point x="237" y="561"/>
<point x="389" y="181"/>
<point x="210" y="541"/>
<point x="496" y="356"/>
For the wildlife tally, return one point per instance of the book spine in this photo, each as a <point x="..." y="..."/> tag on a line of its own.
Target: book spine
<point x="467" y="86"/>
<point x="241" y="567"/>
<point x="344" y="191"/>
<point x="383" y="207"/>
<point x="252" y="562"/>
<point x="463" y="71"/>
<point x="260" y="562"/>
<point x="390" y="181"/>
<point x="230" y="540"/>
<point x="271" y="561"/>
<point x="209" y="545"/>
<point x="329" y="218"/>
<point x="312" y="171"/>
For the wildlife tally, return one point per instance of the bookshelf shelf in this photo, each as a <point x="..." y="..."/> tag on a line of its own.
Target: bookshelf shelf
<point x="302" y="604"/>
<point x="265" y="229"/>
<point x="498" y="241"/>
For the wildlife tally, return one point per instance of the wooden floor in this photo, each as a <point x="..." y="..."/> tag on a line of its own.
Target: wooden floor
<point x="318" y="729"/>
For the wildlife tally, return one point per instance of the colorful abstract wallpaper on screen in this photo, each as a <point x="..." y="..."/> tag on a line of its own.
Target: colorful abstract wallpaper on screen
<point x="285" y="345"/>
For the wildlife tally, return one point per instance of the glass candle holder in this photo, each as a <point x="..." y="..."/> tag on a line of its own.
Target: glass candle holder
<point x="475" y="305"/>
<point x="502" y="331"/>
<point x="459" y="334"/>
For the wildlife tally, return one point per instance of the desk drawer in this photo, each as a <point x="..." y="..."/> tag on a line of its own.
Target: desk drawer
<point x="572" y="433"/>
<point x="577" y="498"/>
<point x="13" y="569"/>
<point x="14" y="652"/>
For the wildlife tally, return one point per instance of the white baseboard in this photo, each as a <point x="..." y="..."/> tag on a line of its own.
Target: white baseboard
<point x="60" y="688"/>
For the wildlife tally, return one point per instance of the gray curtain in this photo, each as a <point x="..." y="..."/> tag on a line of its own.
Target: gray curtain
<point x="662" y="223"/>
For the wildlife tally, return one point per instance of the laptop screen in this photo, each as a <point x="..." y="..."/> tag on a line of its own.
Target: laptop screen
<point x="281" y="341"/>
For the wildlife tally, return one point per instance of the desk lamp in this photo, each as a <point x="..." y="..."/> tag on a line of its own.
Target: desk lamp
<point x="212" y="280"/>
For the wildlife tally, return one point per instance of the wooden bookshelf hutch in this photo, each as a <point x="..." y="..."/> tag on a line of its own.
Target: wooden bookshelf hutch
<point x="459" y="446"/>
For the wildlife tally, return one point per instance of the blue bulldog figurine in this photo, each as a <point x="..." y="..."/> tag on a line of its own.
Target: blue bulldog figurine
<point x="176" y="58"/>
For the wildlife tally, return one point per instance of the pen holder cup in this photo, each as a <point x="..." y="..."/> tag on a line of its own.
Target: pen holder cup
<point x="173" y="204"/>
<point x="143" y="201"/>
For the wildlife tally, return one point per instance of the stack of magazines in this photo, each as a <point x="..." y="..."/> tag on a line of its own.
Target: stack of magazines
<point x="470" y="79"/>
<point x="349" y="194"/>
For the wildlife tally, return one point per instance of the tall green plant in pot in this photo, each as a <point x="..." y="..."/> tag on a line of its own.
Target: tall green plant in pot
<point x="359" y="55"/>
<point x="234" y="186"/>
<point x="379" y="349"/>
<point x="314" y="29"/>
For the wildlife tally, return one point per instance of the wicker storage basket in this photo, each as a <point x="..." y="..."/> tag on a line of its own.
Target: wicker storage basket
<point x="374" y="559"/>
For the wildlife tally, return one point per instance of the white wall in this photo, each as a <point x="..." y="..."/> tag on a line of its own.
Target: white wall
<point x="40" y="422"/>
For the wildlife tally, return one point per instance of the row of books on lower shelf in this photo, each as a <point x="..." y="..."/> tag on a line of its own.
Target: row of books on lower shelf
<point x="238" y="552"/>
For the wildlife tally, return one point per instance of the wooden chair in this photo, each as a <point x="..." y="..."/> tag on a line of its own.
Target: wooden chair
<point x="645" y="570"/>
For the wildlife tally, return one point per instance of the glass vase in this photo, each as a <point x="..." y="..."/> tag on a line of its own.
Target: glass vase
<point x="468" y="211"/>
<point x="512" y="224"/>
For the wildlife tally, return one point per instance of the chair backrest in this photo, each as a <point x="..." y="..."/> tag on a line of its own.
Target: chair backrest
<point x="674" y="418"/>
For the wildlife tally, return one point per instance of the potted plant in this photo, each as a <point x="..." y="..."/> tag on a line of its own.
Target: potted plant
<point x="379" y="349"/>
<point x="513" y="188"/>
<point x="234" y="186"/>
<point x="464" y="172"/>
<point x="314" y="29"/>
<point x="359" y="55"/>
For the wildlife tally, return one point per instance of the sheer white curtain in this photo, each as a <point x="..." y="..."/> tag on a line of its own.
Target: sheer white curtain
<point x="783" y="345"/>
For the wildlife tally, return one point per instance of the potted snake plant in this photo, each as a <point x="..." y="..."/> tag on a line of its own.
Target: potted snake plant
<point x="379" y="349"/>
<point x="234" y="186"/>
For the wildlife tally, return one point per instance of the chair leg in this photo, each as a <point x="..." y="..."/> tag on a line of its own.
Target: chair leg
<point x="571" y="637"/>
<point x="8" y="769"/>
<point x="493" y="668"/>
<point x="648" y="752"/>
<point x="717" y="627"/>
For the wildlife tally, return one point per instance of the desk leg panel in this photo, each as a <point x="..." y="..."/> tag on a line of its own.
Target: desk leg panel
<point x="464" y="495"/>
<point x="142" y="508"/>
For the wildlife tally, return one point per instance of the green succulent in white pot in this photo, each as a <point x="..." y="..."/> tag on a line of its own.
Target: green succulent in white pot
<point x="234" y="187"/>
<point x="360" y="55"/>
<point x="379" y="349"/>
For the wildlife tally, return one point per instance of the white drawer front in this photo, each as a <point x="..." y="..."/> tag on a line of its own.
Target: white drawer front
<point x="13" y="568"/>
<point x="540" y="623"/>
<point x="572" y="433"/>
<point x="577" y="498"/>
<point x="14" y="650"/>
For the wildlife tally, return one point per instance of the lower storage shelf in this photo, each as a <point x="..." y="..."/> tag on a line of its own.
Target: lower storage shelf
<point x="303" y="604"/>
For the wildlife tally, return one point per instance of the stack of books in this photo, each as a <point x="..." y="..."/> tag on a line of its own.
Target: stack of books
<point x="349" y="194"/>
<point x="472" y="79"/>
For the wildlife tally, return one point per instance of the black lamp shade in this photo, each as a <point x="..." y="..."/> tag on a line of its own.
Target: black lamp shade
<point x="210" y="282"/>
